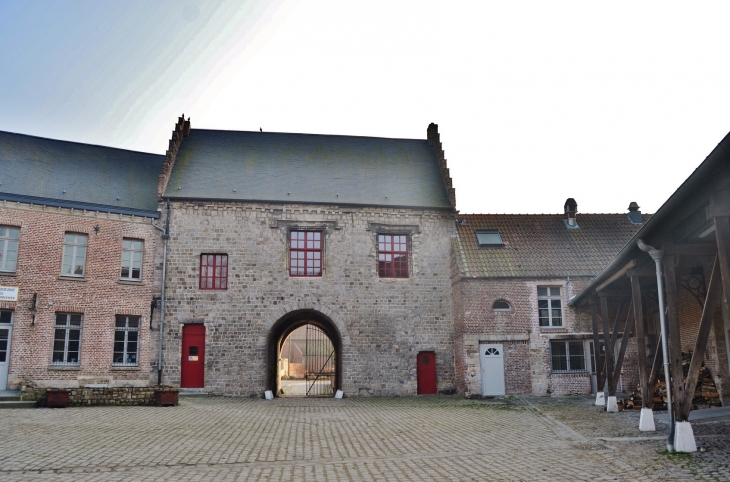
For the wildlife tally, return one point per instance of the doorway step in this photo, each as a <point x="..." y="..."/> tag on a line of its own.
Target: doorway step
<point x="11" y="399"/>
<point x="193" y="392"/>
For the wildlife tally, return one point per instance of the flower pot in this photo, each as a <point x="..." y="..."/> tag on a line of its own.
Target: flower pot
<point x="57" y="398"/>
<point x="166" y="398"/>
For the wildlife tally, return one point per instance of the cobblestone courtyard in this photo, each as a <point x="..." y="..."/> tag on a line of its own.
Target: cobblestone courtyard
<point x="437" y="438"/>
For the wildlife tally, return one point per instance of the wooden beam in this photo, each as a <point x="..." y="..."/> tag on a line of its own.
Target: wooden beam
<point x="618" y="274"/>
<point x="704" y="249"/>
<point x="607" y="341"/>
<point x="654" y="374"/>
<point x="640" y="340"/>
<point x="614" y="293"/>
<point x="622" y="350"/>
<point x="642" y="272"/>
<point x="708" y="312"/>
<point x="673" y="335"/>
<point x="722" y="235"/>
<point x="596" y="346"/>
<point x="617" y="320"/>
<point x="721" y="210"/>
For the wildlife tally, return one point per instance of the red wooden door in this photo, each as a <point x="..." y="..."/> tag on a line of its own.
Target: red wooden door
<point x="426" y="373"/>
<point x="192" y="367"/>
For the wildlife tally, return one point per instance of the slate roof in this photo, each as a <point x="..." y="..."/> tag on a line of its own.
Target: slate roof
<point x="540" y="245"/>
<point x="39" y="170"/>
<point x="307" y="168"/>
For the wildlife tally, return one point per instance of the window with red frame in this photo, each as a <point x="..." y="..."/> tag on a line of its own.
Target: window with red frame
<point x="213" y="271"/>
<point x="392" y="256"/>
<point x="305" y="253"/>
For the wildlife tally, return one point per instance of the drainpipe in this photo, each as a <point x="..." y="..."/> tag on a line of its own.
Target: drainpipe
<point x="657" y="255"/>
<point x="165" y="237"/>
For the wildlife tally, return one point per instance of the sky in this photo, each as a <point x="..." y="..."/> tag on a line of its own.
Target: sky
<point x="536" y="101"/>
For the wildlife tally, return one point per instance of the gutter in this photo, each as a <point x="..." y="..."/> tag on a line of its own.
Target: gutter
<point x="320" y="203"/>
<point x="81" y="206"/>
<point x="165" y="237"/>
<point x="695" y="181"/>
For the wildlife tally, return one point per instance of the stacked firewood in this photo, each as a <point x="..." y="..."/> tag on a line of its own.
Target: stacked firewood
<point x="705" y="395"/>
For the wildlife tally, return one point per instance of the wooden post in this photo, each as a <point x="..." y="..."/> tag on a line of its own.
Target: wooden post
<point x="622" y="350"/>
<point x="640" y="341"/>
<point x="596" y="346"/>
<point x="654" y="374"/>
<point x="614" y="333"/>
<point x="609" y="346"/>
<point x="708" y="312"/>
<point x="673" y="335"/>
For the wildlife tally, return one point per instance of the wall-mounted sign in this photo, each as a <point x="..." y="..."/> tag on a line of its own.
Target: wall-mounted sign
<point x="9" y="293"/>
<point x="192" y="358"/>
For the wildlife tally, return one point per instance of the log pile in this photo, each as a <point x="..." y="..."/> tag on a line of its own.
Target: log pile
<point x="705" y="395"/>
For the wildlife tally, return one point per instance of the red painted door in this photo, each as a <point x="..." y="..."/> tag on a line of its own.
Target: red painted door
<point x="192" y="368"/>
<point x="426" y="373"/>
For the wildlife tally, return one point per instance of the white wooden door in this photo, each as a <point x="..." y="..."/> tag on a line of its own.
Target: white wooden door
<point x="6" y="332"/>
<point x="491" y="359"/>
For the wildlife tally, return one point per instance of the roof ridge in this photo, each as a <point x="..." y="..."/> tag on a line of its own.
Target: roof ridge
<point x="312" y="134"/>
<point x="80" y="143"/>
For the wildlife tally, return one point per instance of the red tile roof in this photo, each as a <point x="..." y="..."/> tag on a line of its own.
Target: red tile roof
<point x="541" y="244"/>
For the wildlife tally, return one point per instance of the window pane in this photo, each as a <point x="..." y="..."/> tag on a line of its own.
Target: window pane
<point x="69" y="238"/>
<point x="133" y="322"/>
<point x="486" y="238"/>
<point x="60" y="319"/>
<point x="558" y="355"/>
<point x="127" y="244"/>
<point x="555" y="291"/>
<point x="542" y="292"/>
<point x="75" y="319"/>
<point x="577" y="360"/>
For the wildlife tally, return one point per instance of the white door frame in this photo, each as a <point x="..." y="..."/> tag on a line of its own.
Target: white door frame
<point x="491" y="367"/>
<point x="4" y="365"/>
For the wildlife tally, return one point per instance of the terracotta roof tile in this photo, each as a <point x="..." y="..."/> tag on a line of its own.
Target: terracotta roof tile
<point x="541" y="244"/>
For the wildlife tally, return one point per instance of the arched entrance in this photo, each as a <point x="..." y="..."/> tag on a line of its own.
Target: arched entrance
<point x="304" y="355"/>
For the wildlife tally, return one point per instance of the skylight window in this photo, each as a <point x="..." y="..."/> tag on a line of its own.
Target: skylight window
<point x="489" y="238"/>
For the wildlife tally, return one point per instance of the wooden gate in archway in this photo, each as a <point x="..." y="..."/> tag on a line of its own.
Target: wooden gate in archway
<point x="319" y="362"/>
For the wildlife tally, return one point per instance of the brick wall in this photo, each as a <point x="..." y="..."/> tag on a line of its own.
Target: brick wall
<point x="383" y="323"/>
<point x="99" y="295"/>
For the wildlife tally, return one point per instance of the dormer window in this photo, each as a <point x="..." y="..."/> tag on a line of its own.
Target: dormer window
<point x="489" y="238"/>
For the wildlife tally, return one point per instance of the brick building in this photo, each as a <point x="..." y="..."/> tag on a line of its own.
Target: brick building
<point x="349" y="236"/>
<point x="76" y="263"/>
<point x="513" y="276"/>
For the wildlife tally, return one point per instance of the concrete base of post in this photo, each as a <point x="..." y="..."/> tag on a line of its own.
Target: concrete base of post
<point x="339" y="394"/>
<point x="600" y="399"/>
<point x="646" y="420"/>
<point x="612" y="405"/>
<point x="684" y="438"/>
<point x="268" y="395"/>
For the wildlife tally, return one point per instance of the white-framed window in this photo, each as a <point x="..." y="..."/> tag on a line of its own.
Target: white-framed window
<point x="67" y="339"/>
<point x="9" y="248"/>
<point x="132" y="250"/>
<point x="568" y="356"/>
<point x="549" y="306"/>
<point x="74" y="255"/>
<point x="126" y="341"/>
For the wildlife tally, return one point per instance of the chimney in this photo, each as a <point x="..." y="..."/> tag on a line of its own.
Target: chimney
<point x="571" y="208"/>
<point x="634" y="214"/>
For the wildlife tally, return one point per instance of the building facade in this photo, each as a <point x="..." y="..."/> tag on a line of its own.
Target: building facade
<point x="269" y="232"/>
<point x="76" y="263"/>
<point x="512" y="278"/>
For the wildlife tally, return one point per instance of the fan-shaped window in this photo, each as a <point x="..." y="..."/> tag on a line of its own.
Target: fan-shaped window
<point x="501" y="305"/>
<point x="492" y="351"/>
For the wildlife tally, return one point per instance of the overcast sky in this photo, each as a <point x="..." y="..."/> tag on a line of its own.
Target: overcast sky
<point x="536" y="101"/>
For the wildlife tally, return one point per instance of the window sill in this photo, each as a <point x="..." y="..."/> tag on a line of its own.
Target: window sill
<point x="73" y="278"/>
<point x="125" y="369"/>
<point x="576" y="372"/>
<point x="8" y="273"/>
<point x="71" y="368"/>
<point x="130" y="282"/>
<point x="557" y="329"/>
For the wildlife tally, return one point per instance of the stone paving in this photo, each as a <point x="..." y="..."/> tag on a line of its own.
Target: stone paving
<point x="292" y="439"/>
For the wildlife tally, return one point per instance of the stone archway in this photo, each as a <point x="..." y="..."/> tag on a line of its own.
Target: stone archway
<point x="287" y="324"/>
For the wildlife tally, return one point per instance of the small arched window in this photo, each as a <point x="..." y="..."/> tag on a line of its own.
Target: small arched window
<point x="501" y="305"/>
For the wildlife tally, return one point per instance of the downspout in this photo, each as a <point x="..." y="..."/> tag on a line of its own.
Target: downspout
<point x="165" y="237"/>
<point x="657" y="255"/>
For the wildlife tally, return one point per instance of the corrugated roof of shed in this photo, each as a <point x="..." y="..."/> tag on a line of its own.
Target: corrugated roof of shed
<point x="540" y="245"/>
<point x="307" y="168"/>
<point x="39" y="170"/>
